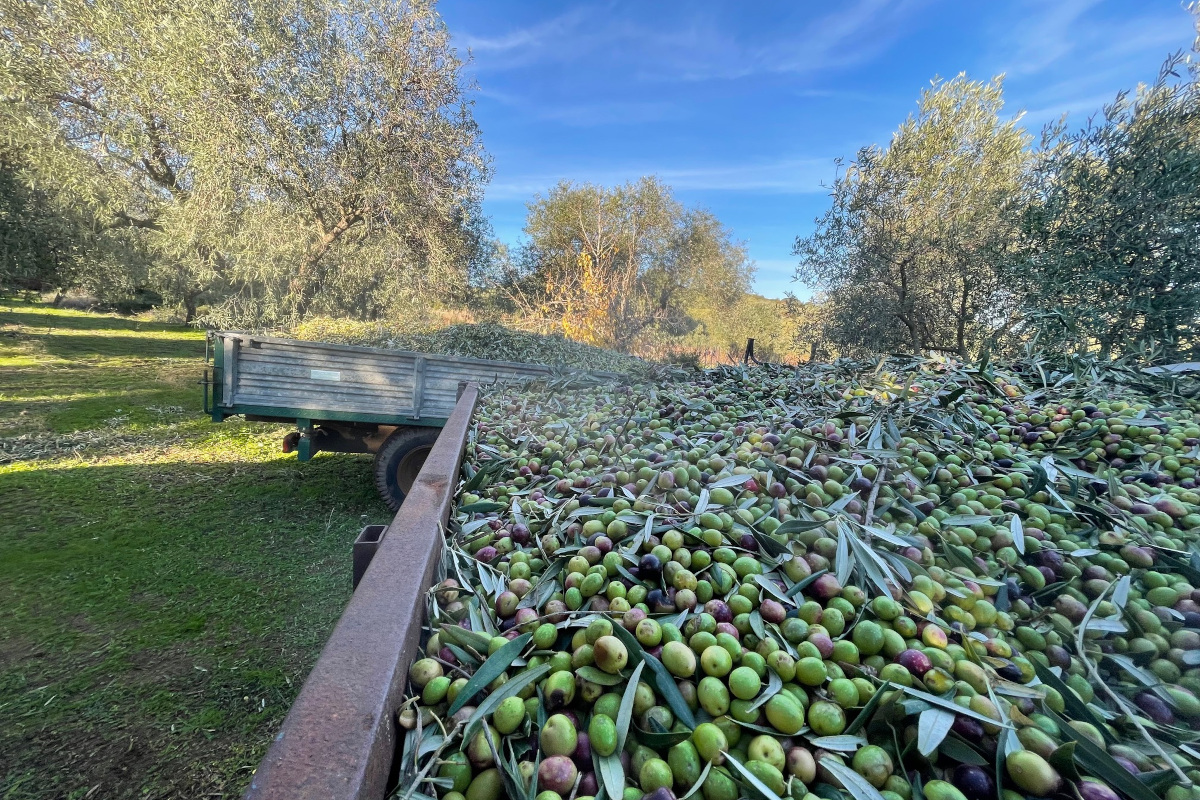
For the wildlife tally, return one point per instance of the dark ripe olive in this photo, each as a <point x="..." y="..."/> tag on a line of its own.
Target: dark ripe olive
<point x="661" y="793"/>
<point x="654" y="597"/>
<point x="974" y="782"/>
<point x="1090" y="789"/>
<point x="583" y="754"/>
<point x="748" y="542"/>
<point x="1010" y="672"/>
<point x="727" y="627"/>
<point x="968" y="728"/>
<point x="861" y="485"/>
<point x="1048" y="575"/>
<point x="588" y="786"/>
<point x="1004" y="463"/>
<point x="649" y="567"/>
<point x="1155" y="708"/>
<point x="914" y="661"/>
<point x="1191" y="619"/>
<point x="1051" y="558"/>
<point x="1014" y="591"/>
<point x="1129" y="766"/>
<point x="719" y="610"/>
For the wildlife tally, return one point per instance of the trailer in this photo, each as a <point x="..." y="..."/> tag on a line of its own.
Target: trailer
<point x="351" y="399"/>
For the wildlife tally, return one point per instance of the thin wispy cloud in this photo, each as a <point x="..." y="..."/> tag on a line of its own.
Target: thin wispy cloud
<point x="792" y="176"/>
<point x="1071" y="58"/>
<point x="701" y="45"/>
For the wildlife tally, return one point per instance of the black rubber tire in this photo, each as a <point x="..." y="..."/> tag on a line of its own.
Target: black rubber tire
<point x="399" y="460"/>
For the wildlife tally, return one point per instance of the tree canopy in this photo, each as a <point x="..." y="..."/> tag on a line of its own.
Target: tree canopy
<point x="1110" y="248"/>
<point x="607" y="265"/>
<point x="275" y="158"/>
<point x="906" y="253"/>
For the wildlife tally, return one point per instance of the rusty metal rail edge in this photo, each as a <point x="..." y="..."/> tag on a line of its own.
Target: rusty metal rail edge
<point x="339" y="739"/>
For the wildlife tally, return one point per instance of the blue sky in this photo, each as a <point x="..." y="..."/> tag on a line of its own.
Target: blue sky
<point x="743" y="107"/>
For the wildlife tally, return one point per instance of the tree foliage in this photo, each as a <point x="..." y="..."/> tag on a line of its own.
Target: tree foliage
<point x="906" y="253"/>
<point x="1110" y="252"/>
<point x="608" y="265"/>
<point x="276" y="158"/>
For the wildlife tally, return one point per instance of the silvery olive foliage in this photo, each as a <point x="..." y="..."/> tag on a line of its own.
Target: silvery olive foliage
<point x="906" y="254"/>
<point x="1109" y="255"/>
<point x="275" y="158"/>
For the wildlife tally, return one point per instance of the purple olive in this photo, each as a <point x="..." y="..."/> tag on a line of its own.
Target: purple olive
<point x="974" y="782"/>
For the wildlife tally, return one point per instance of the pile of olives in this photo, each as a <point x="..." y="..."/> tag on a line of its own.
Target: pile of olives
<point x="817" y="583"/>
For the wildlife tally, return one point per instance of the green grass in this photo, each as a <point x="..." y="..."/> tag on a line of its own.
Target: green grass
<point x="165" y="583"/>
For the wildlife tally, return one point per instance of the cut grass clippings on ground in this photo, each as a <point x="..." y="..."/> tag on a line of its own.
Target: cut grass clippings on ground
<point x="165" y="582"/>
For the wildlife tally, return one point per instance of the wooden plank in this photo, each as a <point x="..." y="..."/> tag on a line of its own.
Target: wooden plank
<point x="345" y="374"/>
<point x="418" y="390"/>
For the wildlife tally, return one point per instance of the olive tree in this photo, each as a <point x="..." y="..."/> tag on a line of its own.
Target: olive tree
<point x="1110" y="248"/>
<point x="610" y="265"/>
<point x="278" y="158"/>
<point x="905" y="257"/>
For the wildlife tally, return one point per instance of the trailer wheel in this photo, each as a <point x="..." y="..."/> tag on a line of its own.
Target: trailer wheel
<point x="399" y="460"/>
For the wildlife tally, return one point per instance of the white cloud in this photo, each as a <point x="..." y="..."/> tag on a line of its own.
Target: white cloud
<point x="790" y="176"/>
<point x="700" y="46"/>
<point x="1071" y="57"/>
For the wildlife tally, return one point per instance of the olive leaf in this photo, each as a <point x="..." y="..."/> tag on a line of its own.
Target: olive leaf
<point x="730" y="481"/>
<point x="954" y="748"/>
<point x="799" y="526"/>
<point x="625" y="711"/>
<point x="842" y="743"/>
<point x="482" y="507"/>
<point x="805" y="583"/>
<point x="774" y="685"/>
<point x="864" y="715"/>
<point x="950" y="705"/>
<point x="598" y="676"/>
<point x="749" y="778"/>
<point x="492" y="668"/>
<point x="611" y="773"/>
<point x="855" y="784"/>
<point x="1018" y="533"/>
<point x="932" y="727"/>
<point x="493" y="700"/>
<point x="662" y="678"/>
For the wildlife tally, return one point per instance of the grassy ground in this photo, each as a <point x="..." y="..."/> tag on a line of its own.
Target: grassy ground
<point x="165" y="583"/>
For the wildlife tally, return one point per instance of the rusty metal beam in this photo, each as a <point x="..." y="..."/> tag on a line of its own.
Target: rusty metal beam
<point x="339" y="738"/>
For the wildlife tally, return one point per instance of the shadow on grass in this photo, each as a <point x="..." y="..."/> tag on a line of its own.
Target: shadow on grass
<point x="84" y="346"/>
<point x="156" y="620"/>
<point x="58" y="320"/>
<point x="113" y="336"/>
